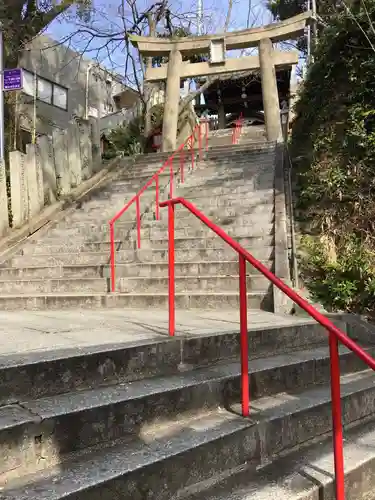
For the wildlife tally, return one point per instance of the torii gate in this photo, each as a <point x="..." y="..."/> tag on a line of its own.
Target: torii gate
<point x="267" y="60"/>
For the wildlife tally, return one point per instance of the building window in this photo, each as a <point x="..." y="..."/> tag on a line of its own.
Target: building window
<point x="46" y="91"/>
<point x="60" y="97"/>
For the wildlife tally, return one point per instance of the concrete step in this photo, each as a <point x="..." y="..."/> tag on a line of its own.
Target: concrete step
<point x="124" y="230"/>
<point x="180" y="453"/>
<point x="194" y="196"/>
<point x="76" y="300"/>
<point x="183" y="217"/>
<point x="184" y="220"/>
<point x="39" y="374"/>
<point x="51" y="246"/>
<point x="304" y="474"/>
<point x="142" y="255"/>
<point x="131" y="284"/>
<point x="256" y="183"/>
<point x="145" y="270"/>
<point x="228" y="196"/>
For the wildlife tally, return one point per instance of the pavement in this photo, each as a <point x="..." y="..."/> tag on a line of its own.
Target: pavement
<point x="23" y="332"/>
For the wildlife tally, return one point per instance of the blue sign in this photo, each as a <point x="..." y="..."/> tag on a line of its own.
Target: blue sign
<point x="12" y="79"/>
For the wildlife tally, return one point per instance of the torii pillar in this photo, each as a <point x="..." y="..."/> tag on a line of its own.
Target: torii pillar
<point x="172" y="99"/>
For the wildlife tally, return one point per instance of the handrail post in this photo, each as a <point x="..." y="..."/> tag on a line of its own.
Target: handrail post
<point x="112" y="243"/>
<point x="157" y="215"/>
<point x="171" y="262"/>
<point x="138" y="215"/>
<point x="182" y="161"/>
<point x="192" y="151"/>
<point x="244" y="342"/>
<point x="337" y="417"/>
<point x="171" y="179"/>
<point x="200" y="142"/>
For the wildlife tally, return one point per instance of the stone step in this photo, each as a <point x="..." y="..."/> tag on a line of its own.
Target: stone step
<point x="183" y="219"/>
<point x="95" y="233"/>
<point x="254" y="183"/>
<point x="210" y="241"/>
<point x="39" y="374"/>
<point x="142" y="255"/>
<point x="226" y="207"/>
<point x="131" y="284"/>
<point x="117" y="195"/>
<point x="304" y="474"/>
<point x="178" y="453"/>
<point x="145" y="270"/>
<point x="219" y="155"/>
<point x="198" y="300"/>
<point x="227" y="195"/>
<point x="254" y="199"/>
<point x="194" y="390"/>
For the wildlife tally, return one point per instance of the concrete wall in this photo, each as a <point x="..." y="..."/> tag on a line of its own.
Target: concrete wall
<point x="51" y="169"/>
<point x="63" y="66"/>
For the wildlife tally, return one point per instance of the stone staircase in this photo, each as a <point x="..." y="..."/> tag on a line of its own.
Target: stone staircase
<point x="68" y="265"/>
<point x="160" y="420"/>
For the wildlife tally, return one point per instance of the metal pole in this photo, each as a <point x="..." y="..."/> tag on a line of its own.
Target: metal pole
<point x="200" y="17"/>
<point x="2" y="118"/>
<point x="33" y="138"/>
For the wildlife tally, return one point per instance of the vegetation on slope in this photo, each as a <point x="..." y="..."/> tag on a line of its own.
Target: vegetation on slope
<point x="333" y="146"/>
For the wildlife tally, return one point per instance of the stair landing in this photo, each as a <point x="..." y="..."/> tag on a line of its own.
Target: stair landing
<point x="23" y="332"/>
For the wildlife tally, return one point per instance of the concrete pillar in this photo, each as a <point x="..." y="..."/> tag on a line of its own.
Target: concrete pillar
<point x="221" y="116"/>
<point x="17" y="188"/>
<point x="60" y="151"/>
<point x="39" y="178"/>
<point x="74" y="154"/>
<point x="45" y="152"/>
<point x="4" y="221"/>
<point x="85" y="149"/>
<point x="95" y="143"/>
<point x="172" y="99"/>
<point x="269" y="91"/>
<point x="33" y="180"/>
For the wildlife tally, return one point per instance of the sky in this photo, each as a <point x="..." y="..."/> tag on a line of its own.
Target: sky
<point x="106" y="19"/>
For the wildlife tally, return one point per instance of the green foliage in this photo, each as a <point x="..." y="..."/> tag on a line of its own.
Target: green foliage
<point x="126" y="140"/>
<point x="334" y="141"/>
<point x="345" y="282"/>
<point x="282" y="9"/>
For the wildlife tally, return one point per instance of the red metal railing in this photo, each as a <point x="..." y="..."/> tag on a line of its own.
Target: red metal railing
<point x="335" y="334"/>
<point x="237" y="130"/>
<point x="186" y="149"/>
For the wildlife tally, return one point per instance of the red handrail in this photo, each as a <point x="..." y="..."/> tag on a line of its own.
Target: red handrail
<point x="335" y="334"/>
<point x="189" y="143"/>
<point x="237" y="129"/>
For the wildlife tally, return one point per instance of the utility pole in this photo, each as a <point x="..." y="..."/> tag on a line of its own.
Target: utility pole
<point x="200" y="30"/>
<point x="200" y="17"/>
<point x="2" y="118"/>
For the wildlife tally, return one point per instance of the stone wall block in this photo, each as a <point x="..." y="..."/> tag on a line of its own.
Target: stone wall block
<point x="74" y="155"/>
<point x="45" y="152"/>
<point x="85" y="148"/>
<point x="31" y="179"/>
<point x="18" y="188"/>
<point x="4" y="221"/>
<point x="60" y="149"/>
